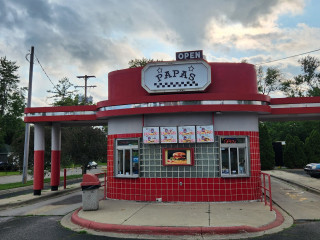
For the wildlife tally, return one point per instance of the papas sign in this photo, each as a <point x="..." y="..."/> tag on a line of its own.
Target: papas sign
<point x="176" y="76"/>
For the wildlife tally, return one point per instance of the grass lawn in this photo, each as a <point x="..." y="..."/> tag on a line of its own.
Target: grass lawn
<point x="102" y="163"/>
<point x="9" y="173"/>
<point x="30" y="182"/>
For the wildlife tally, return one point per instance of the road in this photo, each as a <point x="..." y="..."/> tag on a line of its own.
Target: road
<point x="42" y="220"/>
<point x="299" y="203"/>
<point x="298" y="171"/>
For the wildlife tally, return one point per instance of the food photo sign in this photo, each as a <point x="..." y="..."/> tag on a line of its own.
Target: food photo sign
<point x="187" y="134"/>
<point x="178" y="156"/>
<point x="205" y="134"/>
<point x="151" y="135"/>
<point x="168" y="134"/>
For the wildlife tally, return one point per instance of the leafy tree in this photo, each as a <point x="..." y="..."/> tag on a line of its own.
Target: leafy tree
<point x="306" y="84"/>
<point x="141" y="62"/>
<point x="266" y="148"/>
<point x="268" y="81"/>
<point x="312" y="146"/>
<point x="293" y="154"/>
<point x="12" y="101"/>
<point x="84" y="144"/>
<point x="62" y="94"/>
<point x="80" y="144"/>
<point x="302" y="129"/>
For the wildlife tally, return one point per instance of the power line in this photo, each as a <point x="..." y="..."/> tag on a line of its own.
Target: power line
<point x="45" y="72"/>
<point x="288" y="57"/>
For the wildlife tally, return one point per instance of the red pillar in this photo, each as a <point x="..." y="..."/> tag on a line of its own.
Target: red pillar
<point x="38" y="168"/>
<point x="55" y="156"/>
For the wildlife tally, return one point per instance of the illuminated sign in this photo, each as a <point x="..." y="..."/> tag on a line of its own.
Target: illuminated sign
<point x="177" y="76"/>
<point x="189" y="55"/>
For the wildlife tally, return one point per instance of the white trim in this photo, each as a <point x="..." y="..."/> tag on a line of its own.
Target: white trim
<point x="52" y="114"/>
<point x="183" y="103"/>
<point x="295" y="105"/>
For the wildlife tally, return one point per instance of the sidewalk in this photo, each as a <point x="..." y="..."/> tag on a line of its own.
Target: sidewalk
<point x="147" y="219"/>
<point x="30" y="198"/>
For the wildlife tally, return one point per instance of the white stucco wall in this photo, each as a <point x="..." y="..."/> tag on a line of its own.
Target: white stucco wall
<point x="120" y="125"/>
<point x="178" y="119"/>
<point x="236" y="122"/>
<point x="222" y="122"/>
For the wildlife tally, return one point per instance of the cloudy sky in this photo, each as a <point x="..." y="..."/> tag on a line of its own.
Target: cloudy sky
<point x="78" y="37"/>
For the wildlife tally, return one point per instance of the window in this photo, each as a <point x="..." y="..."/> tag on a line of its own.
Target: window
<point x="234" y="156"/>
<point x="127" y="158"/>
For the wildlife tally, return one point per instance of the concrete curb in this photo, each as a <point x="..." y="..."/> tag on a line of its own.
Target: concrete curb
<point x="157" y="230"/>
<point x="40" y="198"/>
<point x="45" y="195"/>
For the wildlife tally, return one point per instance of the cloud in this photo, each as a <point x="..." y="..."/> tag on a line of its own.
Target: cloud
<point x="259" y="31"/>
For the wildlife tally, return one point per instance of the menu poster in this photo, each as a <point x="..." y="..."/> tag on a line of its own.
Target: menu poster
<point x="168" y="134"/>
<point x="151" y="135"/>
<point x="187" y="134"/>
<point x="205" y="134"/>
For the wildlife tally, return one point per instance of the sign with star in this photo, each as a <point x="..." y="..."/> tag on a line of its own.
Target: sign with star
<point x="176" y="76"/>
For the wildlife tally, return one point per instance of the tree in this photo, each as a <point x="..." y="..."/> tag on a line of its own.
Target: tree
<point x="12" y="101"/>
<point x="141" y="62"/>
<point x="62" y="94"/>
<point x="293" y="154"/>
<point x="302" y="129"/>
<point x="80" y="144"/>
<point x="268" y="81"/>
<point x="306" y="84"/>
<point x="312" y="146"/>
<point x="84" y="144"/>
<point x="266" y="149"/>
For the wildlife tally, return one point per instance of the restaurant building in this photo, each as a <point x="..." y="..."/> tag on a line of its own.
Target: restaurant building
<point x="184" y="130"/>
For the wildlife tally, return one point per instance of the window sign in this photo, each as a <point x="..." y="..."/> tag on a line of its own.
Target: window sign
<point x="232" y="140"/>
<point x="125" y="142"/>
<point x="168" y="134"/>
<point x="151" y="135"/>
<point x="135" y="162"/>
<point x="205" y="134"/>
<point x="187" y="134"/>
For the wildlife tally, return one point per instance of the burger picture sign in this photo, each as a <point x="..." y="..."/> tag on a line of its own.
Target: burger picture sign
<point x="176" y="76"/>
<point x="177" y="156"/>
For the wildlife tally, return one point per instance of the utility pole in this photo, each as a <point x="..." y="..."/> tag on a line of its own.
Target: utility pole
<point x="27" y="129"/>
<point x="85" y="85"/>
